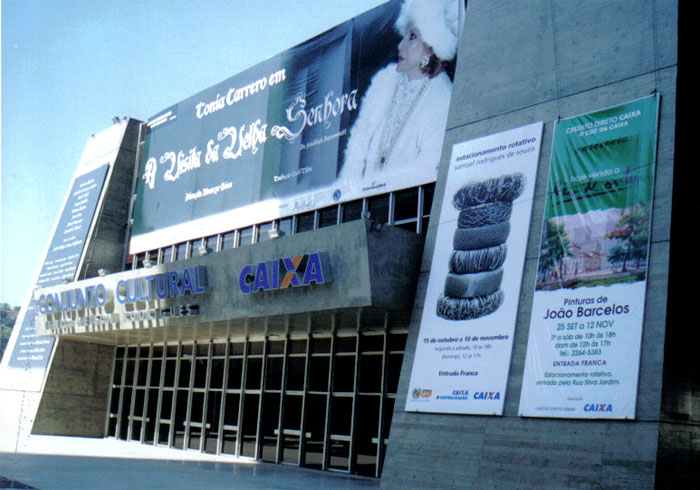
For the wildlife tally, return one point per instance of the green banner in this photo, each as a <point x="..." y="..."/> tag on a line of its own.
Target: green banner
<point x="603" y="159"/>
<point x="587" y="315"/>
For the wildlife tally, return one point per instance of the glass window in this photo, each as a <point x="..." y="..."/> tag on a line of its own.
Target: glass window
<point x="167" y="255"/>
<point x="237" y="348"/>
<point x="228" y="240"/>
<point x="235" y="371"/>
<point x="156" y="366"/>
<point x="185" y="368"/>
<point x="320" y="344"/>
<point x="256" y="348"/>
<point x="371" y="343"/>
<point x="428" y="193"/>
<point x="264" y="231"/>
<point x="118" y="368"/>
<point x="406" y="204"/>
<point x="296" y="367"/>
<point x="351" y="211"/>
<point x="297" y="346"/>
<point x="328" y="216"/>
<point x="305" y="222"/>
<point x="275" y="346"/>
<point x="286" y="225"/>
<point x="246" y="236"/>
<point x="370" y="373"/>
<point x="318" y="373"/>
<point x="217" y="374"/>
<point x="345" y="344"/>
<point x="273" y="375"/>
<point x="180" y="251"/>
<point x="200" y="373"/>
<point x="152" y="257"/>
<point x="344" y="374"/>
<point x="212" y="243"/>
<point x="166" y="405"/>
<point x="253" y="373"/>
<point x="338" y="398"/>
<point x="378" y="207"/>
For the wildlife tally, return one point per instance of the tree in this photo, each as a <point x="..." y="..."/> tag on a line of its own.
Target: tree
<point x="632" y="233"/>
<point x="555" y="246"/>
<point x="617" y="255"/>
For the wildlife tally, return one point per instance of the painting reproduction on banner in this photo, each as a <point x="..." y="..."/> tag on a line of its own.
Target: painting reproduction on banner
<point x="588" y="308"/>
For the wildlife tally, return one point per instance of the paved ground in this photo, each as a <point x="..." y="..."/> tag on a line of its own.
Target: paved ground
<point x="78" y="463"/>
<point x="49" y="472"/>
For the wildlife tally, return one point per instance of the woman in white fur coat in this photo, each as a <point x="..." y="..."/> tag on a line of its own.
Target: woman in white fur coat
<point x="399" y="130"/>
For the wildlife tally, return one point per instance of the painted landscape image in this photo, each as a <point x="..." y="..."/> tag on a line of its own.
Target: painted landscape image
<point x="598" y="248"/>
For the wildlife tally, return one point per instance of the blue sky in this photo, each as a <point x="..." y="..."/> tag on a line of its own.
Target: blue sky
<point x="69" y="66"/>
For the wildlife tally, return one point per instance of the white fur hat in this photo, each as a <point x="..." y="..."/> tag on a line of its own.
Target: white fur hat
<point x="437" y="21"/>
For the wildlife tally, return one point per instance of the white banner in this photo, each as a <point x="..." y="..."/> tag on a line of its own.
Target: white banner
<point x="466" y="334"/>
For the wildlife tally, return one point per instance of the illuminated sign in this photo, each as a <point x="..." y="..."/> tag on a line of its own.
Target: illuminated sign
<point x="284" y="273"/>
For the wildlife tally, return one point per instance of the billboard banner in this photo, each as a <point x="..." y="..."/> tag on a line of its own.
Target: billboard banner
<point x="61" y="263"/>
<point x="337" y="118"/>
<point x="588" y="308"/>
<point x="466" y="333"/>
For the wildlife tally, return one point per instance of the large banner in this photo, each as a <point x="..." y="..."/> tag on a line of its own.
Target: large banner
<point x="60" y="264"/>
<point x="466" y="332"/>
<point x="328" y="121"/>
<point x="588" y="309"/>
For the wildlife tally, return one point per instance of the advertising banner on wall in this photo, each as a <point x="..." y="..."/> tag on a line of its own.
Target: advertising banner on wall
<point x="588" y="309"/>
<point x="342" y="116"/>
<point x="61" y="263"/>
<point x="466" y="332"/>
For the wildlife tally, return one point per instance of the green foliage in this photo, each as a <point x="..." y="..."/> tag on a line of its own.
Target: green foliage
<point x="632" y="233"/>
<point x="555" y="246"/>
<point x="8" y="315"/>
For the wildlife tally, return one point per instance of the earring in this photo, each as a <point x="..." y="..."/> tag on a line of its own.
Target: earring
<point x="424" y="61"/>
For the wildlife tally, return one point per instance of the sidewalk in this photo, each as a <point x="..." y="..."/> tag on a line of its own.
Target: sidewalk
<point x="76" y="463"/>
<point x="44" y="472"/>
<point x="73" y="463"/>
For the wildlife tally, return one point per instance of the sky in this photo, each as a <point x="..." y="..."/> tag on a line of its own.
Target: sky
<point x="70" y="66"/>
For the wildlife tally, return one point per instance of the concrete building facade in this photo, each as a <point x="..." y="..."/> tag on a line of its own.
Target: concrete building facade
<point x="319" y="375"/>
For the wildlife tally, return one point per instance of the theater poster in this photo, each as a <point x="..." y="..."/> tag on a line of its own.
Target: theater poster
<point x="273" y="141"/>
<point x="588" y="310"/>
<point x="466" y="332"/>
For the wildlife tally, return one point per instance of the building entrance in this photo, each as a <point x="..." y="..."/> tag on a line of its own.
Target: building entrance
<point x="322" y="400"/>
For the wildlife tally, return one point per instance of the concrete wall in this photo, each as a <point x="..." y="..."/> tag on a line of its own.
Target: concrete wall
<point x="521" y="62"/>
<point x="74" y="400"/>
<point x="369" y="268"/>
<point x="106" y="248"/>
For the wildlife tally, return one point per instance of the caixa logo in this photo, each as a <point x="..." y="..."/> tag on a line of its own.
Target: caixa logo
<point x="598" y="407"/>
<point x="487" y="395"/>
<point x="287" y="272"/>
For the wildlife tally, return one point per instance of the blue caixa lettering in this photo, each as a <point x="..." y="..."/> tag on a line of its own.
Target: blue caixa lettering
<point x="286" y="272"/>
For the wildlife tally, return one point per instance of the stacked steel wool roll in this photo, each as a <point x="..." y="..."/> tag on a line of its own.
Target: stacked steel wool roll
<point x="472" y="286"/>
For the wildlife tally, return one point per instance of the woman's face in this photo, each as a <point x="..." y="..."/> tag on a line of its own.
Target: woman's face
<point x="411" y="52"/>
